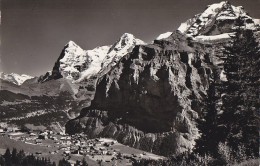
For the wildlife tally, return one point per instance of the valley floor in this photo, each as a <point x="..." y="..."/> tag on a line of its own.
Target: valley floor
<point x="76" y="147"/>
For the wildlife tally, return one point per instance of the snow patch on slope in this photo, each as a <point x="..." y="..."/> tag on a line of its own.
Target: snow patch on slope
<point x="164" y="35"/>
<point x="96" y="57"/>
<point x="213" y="38"/>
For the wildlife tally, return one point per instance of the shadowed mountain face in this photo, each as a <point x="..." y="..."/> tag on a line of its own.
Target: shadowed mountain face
<point x="155" y="90"/>
<point x="152" y="98"/>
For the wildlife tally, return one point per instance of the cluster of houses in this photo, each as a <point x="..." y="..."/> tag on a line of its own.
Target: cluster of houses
<point x="79" y="145"/>
<point x="75" y="144"/>
<point x="68" y="145"/>
<point x="9" y="130"/>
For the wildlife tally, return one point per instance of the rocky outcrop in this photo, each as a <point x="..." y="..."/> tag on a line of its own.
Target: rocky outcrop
<point x="97" y="123"/>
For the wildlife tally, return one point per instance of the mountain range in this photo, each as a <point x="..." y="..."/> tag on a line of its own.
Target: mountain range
<point x="14" y="78"/>
<point x="145" y="95"/>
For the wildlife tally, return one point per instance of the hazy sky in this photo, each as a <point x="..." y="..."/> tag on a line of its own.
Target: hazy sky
<point x="33" y="32"/>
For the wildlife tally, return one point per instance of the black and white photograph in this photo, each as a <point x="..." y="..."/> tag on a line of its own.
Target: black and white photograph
<point x="129" y="83"/>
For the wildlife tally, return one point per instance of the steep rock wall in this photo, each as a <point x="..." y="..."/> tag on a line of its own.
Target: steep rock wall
<point x="150" y="96"/>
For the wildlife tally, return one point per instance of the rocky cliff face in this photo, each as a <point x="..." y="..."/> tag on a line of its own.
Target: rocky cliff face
<point x="151" y="98"/>
<point x="156" y="89"/>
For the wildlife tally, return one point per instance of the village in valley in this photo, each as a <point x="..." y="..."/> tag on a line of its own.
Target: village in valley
<point x="58" y="145"/>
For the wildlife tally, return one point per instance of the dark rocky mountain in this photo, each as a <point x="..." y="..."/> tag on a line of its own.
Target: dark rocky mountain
<point x="153" y="97"/>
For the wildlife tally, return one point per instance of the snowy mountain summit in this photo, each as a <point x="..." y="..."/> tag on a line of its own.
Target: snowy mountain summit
<point x="82" y="68"/>
<point x="14" y="78"/>
<point x="217" y="19"/>
<point x="124" y="45"/>
<point x="76" y="64"/>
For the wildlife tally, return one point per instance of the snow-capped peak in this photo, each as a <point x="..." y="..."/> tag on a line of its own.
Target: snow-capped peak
<point x="107" y="56"/>
<point x="71" y="58"/>
<point x="127" y="39"/>
<point x="71" y="44"/>
<point x="164" y="35"/>
<point x="215" y="20"/>
<point x="77" y="64"/>
<point x="124" y="45"/>
<point x="15" y="78"/>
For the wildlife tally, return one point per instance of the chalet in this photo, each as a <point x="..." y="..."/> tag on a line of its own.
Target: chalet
<point x="68" y="143"/>
<point x="83" y="143"/>
<point x="98" y="144"/>
<point x="38" y="141"/>
<point x="62" y="138"/>
<point x="73" y="148"/>
<point x="64" y="148"/>
<point x="67" y="152"/>
<point x="2" y="131"/>
<point x="81" y="152"/>
<point x="106" y="144"/>
<point x="109" y="153"/>
<point x="104" y="152"/>
<point x="32" y="134"/>
<point x="13" y="129"/>
<point x="75" y="152"/>
<point x="16" y="138"/>
<point x="50" y="132"/>
<point x="72" y="162"/>
<point x="42" y="136"/>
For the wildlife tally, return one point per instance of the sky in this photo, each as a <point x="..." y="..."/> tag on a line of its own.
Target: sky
<point x="33" y="32"/>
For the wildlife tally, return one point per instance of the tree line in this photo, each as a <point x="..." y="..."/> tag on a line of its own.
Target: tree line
<point x="20" y="158"/>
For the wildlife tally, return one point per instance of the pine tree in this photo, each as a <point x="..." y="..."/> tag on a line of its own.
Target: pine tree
<point x="77" y="163"/>
<point x="2" y="160"/>
<point x="241" y="93"/>
<point x="84" y="162"/>
<point x="14" y="156"/>
<point x="20" y="157"/>
<point x="7" y="157"/>
<point x="64" y="162"/>
<point x="208" y="125"/>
